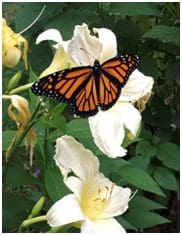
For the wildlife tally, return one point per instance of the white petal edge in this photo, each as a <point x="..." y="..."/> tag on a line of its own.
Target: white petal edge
<point x="129" y="116"/>
<point x="75" y="185"/>
<point x="72" y="156"/>
<point x="105" y="226"/>
<point x="61" y="212"/>
<point x="50" y="34"/>
<point x="137" y="86"/>
<point x="108" y="42"/>
<point x="108" y="133"/>
<point x="90" y="46"/>
<point x="118" y="203"/>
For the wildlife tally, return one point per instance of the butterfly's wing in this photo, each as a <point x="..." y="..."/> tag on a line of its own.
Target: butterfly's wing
<point x="114" y="75"/>
<point x="75" y="86"/>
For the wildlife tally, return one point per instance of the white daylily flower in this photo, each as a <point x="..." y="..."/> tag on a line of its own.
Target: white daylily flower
<point x="107" y="127"/>
<point x="95" y="199"/>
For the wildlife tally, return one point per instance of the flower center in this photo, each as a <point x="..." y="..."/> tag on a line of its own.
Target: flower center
<point x="95" y="200"/>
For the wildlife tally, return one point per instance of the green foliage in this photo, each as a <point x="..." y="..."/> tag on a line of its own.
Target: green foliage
<point x="54" y="183"/>
<point x="152" y="165"/>
<point x="15" y="209"/>
<point x="164" y="33"/>
<point x="144" y="219"/>
<point x="169" y="154"/>
<point x="140" y="179"/>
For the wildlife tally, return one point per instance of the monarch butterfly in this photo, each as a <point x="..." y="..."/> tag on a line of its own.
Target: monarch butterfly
<point x="87" y="88"/>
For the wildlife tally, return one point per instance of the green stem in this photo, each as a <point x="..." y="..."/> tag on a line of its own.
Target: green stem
<point x="28" y="222"/>
<point x="21" y="88"/>
<point x="36" y="111"/>
<point x="45" y="150"/>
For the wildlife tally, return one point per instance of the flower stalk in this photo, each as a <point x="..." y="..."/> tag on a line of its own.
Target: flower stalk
<point x="29" y="222"/>
<point x="21" y="88"/>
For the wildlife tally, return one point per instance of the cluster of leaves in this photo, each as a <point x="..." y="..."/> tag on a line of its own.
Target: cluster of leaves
<point x="152" y="165"/>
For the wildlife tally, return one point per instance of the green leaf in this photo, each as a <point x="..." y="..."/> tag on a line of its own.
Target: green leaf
<point x="145" y="149"/>
<point x="54" y="184"/>
<point x="125" y="37"/>
<point x="66" y="21"/>
<point x="149" y="66"/>
<point x="15" y="209"/>
<point x="169" y="154"/>
<point x="162" y="112"/>
<point x="81" y="131"/>
<point x="56" y="122"/>
<point x="165" y="178"/>
<point x="164" y="33"/>
<point x="173" y="71"/>
<point x="17" y="176"/>
<point x="143" y="203"/>
<point x="108" y="166"/>
<point x="32" y="78"/>
<point x="7" y="138"/>
<point x="140" y="179"/>
<point x="125" y="223"/>
<point x="28" y="12"/>
<point x="131" y="9"/>
<point x="140" y="162"/>
<point x="144" y="219"/>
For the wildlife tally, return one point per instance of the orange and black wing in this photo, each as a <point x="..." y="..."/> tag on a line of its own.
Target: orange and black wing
<point x="114" y="75"/>
<point x="75" y="86"/>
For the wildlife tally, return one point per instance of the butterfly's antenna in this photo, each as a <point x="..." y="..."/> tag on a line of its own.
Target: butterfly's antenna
<point x="87" y="52"/>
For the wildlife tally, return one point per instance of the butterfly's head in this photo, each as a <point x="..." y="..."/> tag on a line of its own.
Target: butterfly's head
<point x="97" y="65"/>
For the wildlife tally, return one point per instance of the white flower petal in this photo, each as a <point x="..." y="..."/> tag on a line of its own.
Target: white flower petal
<point x="108" y="44"/>
<point x="60" y="61"/>
<point x="50" y="34"/>
<point x="106" y="226"/>
<point x="72" y="156"/>
<point x="108" y="133"/>
<point x="65" y="211"/>
<point x="137" y="86"/>
<point x="129" y="116"/>
<point x="118" y="203"/>
<point x="74" y="184"/>
<point x="83" y="47"/>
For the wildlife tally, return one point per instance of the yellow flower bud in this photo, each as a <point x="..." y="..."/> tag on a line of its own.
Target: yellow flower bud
<point x="18" y="111"/>
<point x="14" y="46"/>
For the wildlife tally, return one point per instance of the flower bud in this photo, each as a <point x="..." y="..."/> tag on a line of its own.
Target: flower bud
<point x="38" y="207"/>
<point x="14" y="81"/>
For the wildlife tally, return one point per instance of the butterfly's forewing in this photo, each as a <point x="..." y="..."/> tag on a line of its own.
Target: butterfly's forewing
<point x="115" y="73"/>
<point x="75" y="86"/>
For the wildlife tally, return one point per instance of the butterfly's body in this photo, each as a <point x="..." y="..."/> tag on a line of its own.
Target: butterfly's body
<point x="87" y="88"/>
